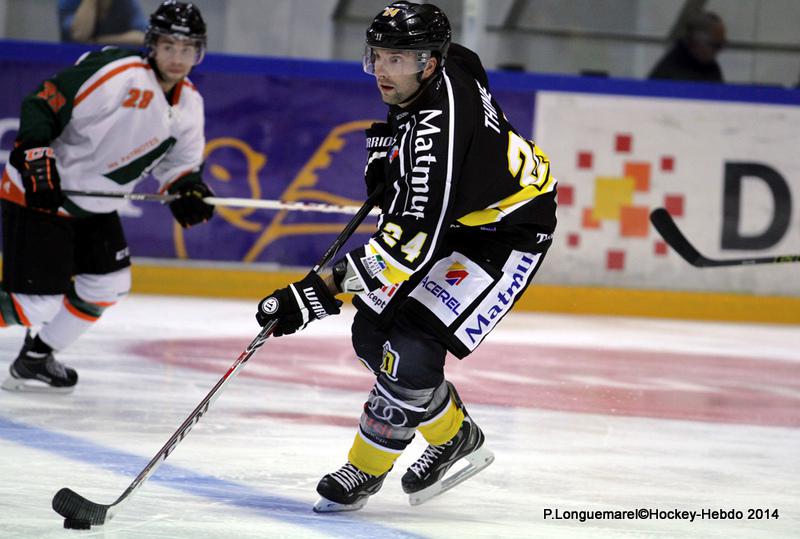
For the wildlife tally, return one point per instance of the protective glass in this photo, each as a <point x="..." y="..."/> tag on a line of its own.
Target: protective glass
<point x="185" y="48"/>
<point x="393" y="62"/>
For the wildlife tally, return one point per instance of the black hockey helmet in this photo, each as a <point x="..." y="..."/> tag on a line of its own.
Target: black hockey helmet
<point x="410" y="26"/>
<point x="406" y="25"/>
<point x="178" y="19"/>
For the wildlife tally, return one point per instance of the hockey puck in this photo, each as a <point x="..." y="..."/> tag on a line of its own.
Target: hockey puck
<point x="77" y="524"/>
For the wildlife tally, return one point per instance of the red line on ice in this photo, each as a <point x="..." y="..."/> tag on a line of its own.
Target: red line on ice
<point x="670" y="385"/>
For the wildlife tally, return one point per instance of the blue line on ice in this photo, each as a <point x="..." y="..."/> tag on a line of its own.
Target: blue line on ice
<point x="206" y="486"/>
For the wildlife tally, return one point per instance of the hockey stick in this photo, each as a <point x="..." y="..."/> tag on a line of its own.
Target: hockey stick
<point x="228" y="202"/>
<point x="666" y="226"/>
<point x="80" y="513"/>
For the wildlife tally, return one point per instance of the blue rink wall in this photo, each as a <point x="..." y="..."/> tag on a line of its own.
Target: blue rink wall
<point x="293" y="130"/>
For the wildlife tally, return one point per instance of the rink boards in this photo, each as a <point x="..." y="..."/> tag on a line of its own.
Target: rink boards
<point x="722" y="159"/>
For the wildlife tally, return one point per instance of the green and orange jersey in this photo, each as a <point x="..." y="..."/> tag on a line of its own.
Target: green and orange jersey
<point x="110" y="124"/>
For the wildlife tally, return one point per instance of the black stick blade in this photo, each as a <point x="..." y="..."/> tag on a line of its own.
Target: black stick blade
<point x="663" y="222"/>
<point x="69" y="504"/>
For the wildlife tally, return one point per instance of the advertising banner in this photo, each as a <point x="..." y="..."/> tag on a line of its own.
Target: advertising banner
<point x="722" y="160"/>
<point x="288" y="130"/>
<point x="729" y="173"/>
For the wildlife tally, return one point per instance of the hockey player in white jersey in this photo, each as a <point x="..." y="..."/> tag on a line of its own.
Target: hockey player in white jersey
<point x="102" y="124"/>
<point x="468" y="214"/>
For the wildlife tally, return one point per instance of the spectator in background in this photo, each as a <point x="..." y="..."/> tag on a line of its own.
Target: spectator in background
<point x="117" y="22"/>
<point x="694" y="56"/>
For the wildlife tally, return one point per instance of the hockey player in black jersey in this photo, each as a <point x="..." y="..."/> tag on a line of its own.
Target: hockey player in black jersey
<point x="468" y="213"/>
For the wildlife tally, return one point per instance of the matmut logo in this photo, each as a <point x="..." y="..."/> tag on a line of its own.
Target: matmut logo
<point x="455" y="274"/>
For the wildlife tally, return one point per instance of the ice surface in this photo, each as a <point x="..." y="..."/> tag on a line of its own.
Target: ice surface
<point x="583" y="413"/>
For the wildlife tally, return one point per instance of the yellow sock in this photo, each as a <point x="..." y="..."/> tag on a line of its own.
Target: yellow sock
<point x="444" y="426"/>
<point x="371" y="458"/>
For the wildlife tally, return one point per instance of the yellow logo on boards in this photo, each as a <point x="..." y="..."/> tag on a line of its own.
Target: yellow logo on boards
<point x="304" y="187"/>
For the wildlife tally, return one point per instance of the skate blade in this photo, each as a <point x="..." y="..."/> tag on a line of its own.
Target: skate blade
<point x="324" y="505"/>
<point x="477" y="461"/>
<point x="26" y="385"/>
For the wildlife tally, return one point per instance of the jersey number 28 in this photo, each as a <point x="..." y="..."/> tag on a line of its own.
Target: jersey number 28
<point x="138" y="98"/>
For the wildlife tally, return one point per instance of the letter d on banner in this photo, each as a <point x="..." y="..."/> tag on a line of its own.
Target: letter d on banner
<point x="735" y="174"/>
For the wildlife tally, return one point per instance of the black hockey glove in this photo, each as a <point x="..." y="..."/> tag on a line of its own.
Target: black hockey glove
<point x="379" y="144"/>
<point x="297" y="305"/>
<point x="37" y="166"/>
<point x="190" y="209"/>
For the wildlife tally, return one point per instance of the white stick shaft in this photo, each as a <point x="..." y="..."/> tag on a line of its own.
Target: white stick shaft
<point x="229" y="202"/>
<point x="280" y="205"/>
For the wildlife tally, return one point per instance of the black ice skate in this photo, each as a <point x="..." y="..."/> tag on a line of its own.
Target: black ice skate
<point x="35" y="372"/>
<point x="347" y="489"/>
<point x="425" y="478"/>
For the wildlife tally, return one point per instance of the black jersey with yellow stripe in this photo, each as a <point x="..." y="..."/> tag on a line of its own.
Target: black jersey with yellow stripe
<point x="456" y="162"/>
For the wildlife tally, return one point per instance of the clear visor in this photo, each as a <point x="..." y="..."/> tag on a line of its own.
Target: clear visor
<point x="185" y="48"/>
<point x="393" y="62"/>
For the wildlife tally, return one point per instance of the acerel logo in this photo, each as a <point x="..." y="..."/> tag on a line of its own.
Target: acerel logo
<point x="455" y="274"/>
<point x="438" y="291"/>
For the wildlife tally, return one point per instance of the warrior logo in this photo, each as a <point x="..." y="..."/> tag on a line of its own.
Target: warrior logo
<point x="314" y="303"/>
<point x="270" y="305"/>
<point x="455" y="274"/>
<point x="379" y="142"/>
<point x="123" y="254"/>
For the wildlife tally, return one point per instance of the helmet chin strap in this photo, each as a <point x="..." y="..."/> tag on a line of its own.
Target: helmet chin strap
<point x="423" y="85"/>
<point x="152" y="61"/>
<point x="436" y="70"/>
